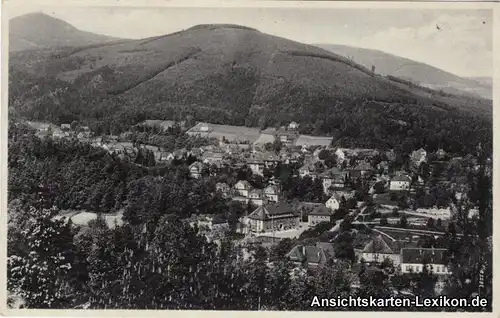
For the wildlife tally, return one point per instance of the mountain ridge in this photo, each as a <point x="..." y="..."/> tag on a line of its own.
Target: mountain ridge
<point x="415" y="71"/>
<point x="38" y="30"/>
<point x="234" y="75"/>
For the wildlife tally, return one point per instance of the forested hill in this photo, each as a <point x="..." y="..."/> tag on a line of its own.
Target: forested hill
<point x="237" y="75"/>
<point x="39" y="30"/>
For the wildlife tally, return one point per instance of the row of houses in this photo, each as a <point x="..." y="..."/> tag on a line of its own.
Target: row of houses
<point x="407" y="259"/>
<point x="404" y="255"/>
<point x="243" y="191"/>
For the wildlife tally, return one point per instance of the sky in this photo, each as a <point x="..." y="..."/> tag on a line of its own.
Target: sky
<point x="463" y="45"/>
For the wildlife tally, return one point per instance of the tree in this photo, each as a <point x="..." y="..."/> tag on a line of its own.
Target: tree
<point x="323" y="154"/>
<point x="277" y="145"/>
<point x="403" y="221"/>
<point x="344" y="247"/>
<point x="383" y="221"/>
<point x="430" y="224"/>
<point x="39" y="271"/>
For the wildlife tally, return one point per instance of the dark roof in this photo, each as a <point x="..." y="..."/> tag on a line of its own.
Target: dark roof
<point x="276" y="210"/>
<point x="327" y="248"/>
<point x="401" y="178"/>
<point x="334" y="173"/>
<point x="310" y="254"/>
<point x="380" y="244"/>
<point x="321" y="210"/>
<point x="419" y="255"/>
<point x="363" y="166"/>
<point x="271" y="189"/>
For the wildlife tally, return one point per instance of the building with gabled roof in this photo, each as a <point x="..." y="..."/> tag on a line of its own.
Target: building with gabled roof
<point x="195" y="169"/>
<point x="319" y="214"/>
<point x="400" y="183"/>
<point x="419" y="156"/>
<point x="223" y="188"/>
<point x="311" y="256"/>
<point x="361" y="169"/>
<point x="256" y="197"/>
<point x="382" y="247"/>
<point x="243" y="188"/>
<point x="272" y="193"/>
<point x="413" y="260"/>
<point x="273" y="217"/>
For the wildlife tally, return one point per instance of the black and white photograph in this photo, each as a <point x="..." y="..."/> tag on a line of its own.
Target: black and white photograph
<point x="273" y="156"/>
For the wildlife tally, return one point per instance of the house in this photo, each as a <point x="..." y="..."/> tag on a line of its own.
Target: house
<point x="195" y="152"/>
<point x="333" y="178"/>
<point x="293" y="126"/>
<point x="441" y="154"/>
<point x="413" y="260"/>
<point x="307" y="170"/>
<point x="380" y="248"/>
<point x="311" y="256"/>
<point x="210" y="157"/>
<point x="195" y="169"/>
<point x="341" y="155"/>
<point x="256" y="165"/>
<point x="273" y="217"/>
<point x="287" y="137"/>
<point x="334" y="202"/>
<point x="271" y="192"/>
<point x="419" y="156"/>
<point x="270" y="159"/>
<point x="243" y="188"/>
<point x="219" y="224"/>
<point x="319" y="214"/>
<point x="400" y="183"/>
<point x="223" y="188"/>
<point x="257" y="197"/>
<point x="362" y="169"/>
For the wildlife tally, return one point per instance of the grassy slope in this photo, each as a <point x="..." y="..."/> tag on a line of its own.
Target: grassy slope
<point x="388" y="64"/>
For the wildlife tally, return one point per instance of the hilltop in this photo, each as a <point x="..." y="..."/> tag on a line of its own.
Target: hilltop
<point x="417" y="72"/>
<point x="228" y="74"/>
<point x="38" y="30"/>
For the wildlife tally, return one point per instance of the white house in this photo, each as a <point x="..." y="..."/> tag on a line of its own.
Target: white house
<point x="195" y="169"/>
<point x="400" y="183"/>
<point x="243" y="188"/>
<point x="319" y="214"/>
<point x="381" y="248"/>
<point x="271" y="192"/>
<point x="413" y="260"/>
<point x="340" y="155"/>
<point x="419" y="156"/>
<point x="334" y="202"/>
<point x="307" y="170"/>
<point x="257" y="197"/>
<point x="293" y="126"/>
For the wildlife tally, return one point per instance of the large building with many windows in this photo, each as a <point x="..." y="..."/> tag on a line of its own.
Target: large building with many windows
<point x="272" y="217"/>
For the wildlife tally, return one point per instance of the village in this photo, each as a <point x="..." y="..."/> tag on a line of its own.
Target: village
<point x="394" y="207"/>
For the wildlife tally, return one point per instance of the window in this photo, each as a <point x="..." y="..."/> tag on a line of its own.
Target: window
<point x="408" y="268"/>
